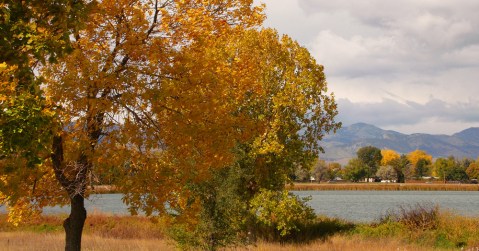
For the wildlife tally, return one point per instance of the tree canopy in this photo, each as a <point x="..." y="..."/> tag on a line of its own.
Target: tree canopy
<point x="388" y="156"/>
<point x="371" y="157"/>
<point x="163" y="94"/>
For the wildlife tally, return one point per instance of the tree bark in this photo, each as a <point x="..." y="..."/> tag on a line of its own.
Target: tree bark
<point x="74" y="224"/>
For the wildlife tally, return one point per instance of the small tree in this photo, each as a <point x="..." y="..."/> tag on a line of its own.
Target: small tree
<point x="334" y="170"/>
<point x="320" y="170"/>
<point x="422" y="168"/>
<point x="420" y="163"/>
<point x="387" y="173"/>
<point x="473" y="171"/>
<point x="355" y="170"/>
<point x="302" y="174"/>
<point x="281" y="211"/>
<point x="402" y="166"/>
<point x="371" y="157"/>
<point x="449" y="169"/>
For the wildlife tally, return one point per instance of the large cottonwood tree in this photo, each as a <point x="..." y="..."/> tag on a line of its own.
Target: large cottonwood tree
<point x="160" y="92"/>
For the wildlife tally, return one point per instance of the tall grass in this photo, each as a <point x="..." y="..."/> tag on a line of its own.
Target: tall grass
<point x="340" y="242"/>
<point x="425" y="226"/>
<point x="384" y="186"/>
<point x="23" y="241"/>
<point x="417" y="227"/>
<point x="103" y="225"/>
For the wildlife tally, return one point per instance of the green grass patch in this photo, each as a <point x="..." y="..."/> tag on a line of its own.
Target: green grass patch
<point x="425" y="226"/>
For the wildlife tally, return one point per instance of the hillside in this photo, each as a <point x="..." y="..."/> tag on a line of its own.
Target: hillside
<point x="343" y="145"/>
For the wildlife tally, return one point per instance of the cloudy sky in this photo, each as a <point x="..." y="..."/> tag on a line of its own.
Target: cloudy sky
<point x="410" y="66"/>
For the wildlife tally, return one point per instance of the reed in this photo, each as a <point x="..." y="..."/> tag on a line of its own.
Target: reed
<point x="383" y="187"/>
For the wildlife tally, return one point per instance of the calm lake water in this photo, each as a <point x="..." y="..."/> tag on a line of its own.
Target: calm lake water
<point x="358" y="206"/>
<point x="368" y="206"/>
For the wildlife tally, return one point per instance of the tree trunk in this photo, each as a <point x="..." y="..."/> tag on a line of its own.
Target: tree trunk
<point x="74" y="224"/>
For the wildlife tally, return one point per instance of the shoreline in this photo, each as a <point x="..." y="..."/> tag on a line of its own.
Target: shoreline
<point x="375" y="186"/>
<point x="382" y="187"/>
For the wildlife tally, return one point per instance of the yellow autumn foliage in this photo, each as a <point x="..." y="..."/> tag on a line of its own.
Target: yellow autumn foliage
<point x="388" y="156"/>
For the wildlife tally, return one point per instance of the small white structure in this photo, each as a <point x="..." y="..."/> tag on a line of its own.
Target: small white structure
<point x="388" y="181"/>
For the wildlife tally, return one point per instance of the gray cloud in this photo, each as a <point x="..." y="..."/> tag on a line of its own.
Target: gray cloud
<point x="390" y="113"/>
<point x="407" y="65"/>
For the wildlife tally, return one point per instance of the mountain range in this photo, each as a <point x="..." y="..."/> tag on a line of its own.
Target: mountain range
<point x="342" y="146"/>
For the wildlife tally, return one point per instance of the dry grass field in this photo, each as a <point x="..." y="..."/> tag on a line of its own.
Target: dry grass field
<point x="417" y="229"/>
<point x="23" y="241"/>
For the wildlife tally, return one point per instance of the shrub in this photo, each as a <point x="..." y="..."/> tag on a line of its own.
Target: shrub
<point x="415" y="217"/>
<point x="284" y="212"/>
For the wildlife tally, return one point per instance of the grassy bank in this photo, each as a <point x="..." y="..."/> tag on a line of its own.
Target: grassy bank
<point x="413" y="186"/>
<point x="415" y="228"/>
<point x="384" y="186"/>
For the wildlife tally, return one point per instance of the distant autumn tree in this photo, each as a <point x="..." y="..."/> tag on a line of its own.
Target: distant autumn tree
<point x="416" y="155"/>
<point x="473" y="170"/>
<point x="320" y="170"/>
<point x="449" y="169"/>
<point x="387" y="173"/>
<point x="402" y="166"/>
<point x="371" y="157"/>
<point x="388" y="156"/>
<point x="355" y="170"/>
<point x="334" y="170"/>
<point x="420" y="161"/>
<point x="165" y="93"/>
<point x="422" y="168"/>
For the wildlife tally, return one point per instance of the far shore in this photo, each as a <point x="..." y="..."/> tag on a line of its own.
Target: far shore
<point x="413" y="186"/>
<point x="408" y="186"/>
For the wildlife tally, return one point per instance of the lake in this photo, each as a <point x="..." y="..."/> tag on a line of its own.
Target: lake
<point x="368" y="206"/>
<point x="357" y="206"/>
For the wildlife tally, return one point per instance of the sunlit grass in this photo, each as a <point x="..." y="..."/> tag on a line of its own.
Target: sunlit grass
<point x="104" y="225"/>
<point x="416" y="227"/>
<point x="13" y="241"/>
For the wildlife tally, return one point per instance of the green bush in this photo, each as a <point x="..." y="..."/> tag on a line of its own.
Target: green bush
<point x="282" y="211"/>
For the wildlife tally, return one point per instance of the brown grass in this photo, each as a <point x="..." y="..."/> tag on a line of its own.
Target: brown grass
<point x="384" y="186"/>
<point x="110" y="232"/>
<point x="102" y="225"/>
<point x="340" y="243"/>
<point x="19" y="241"/>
